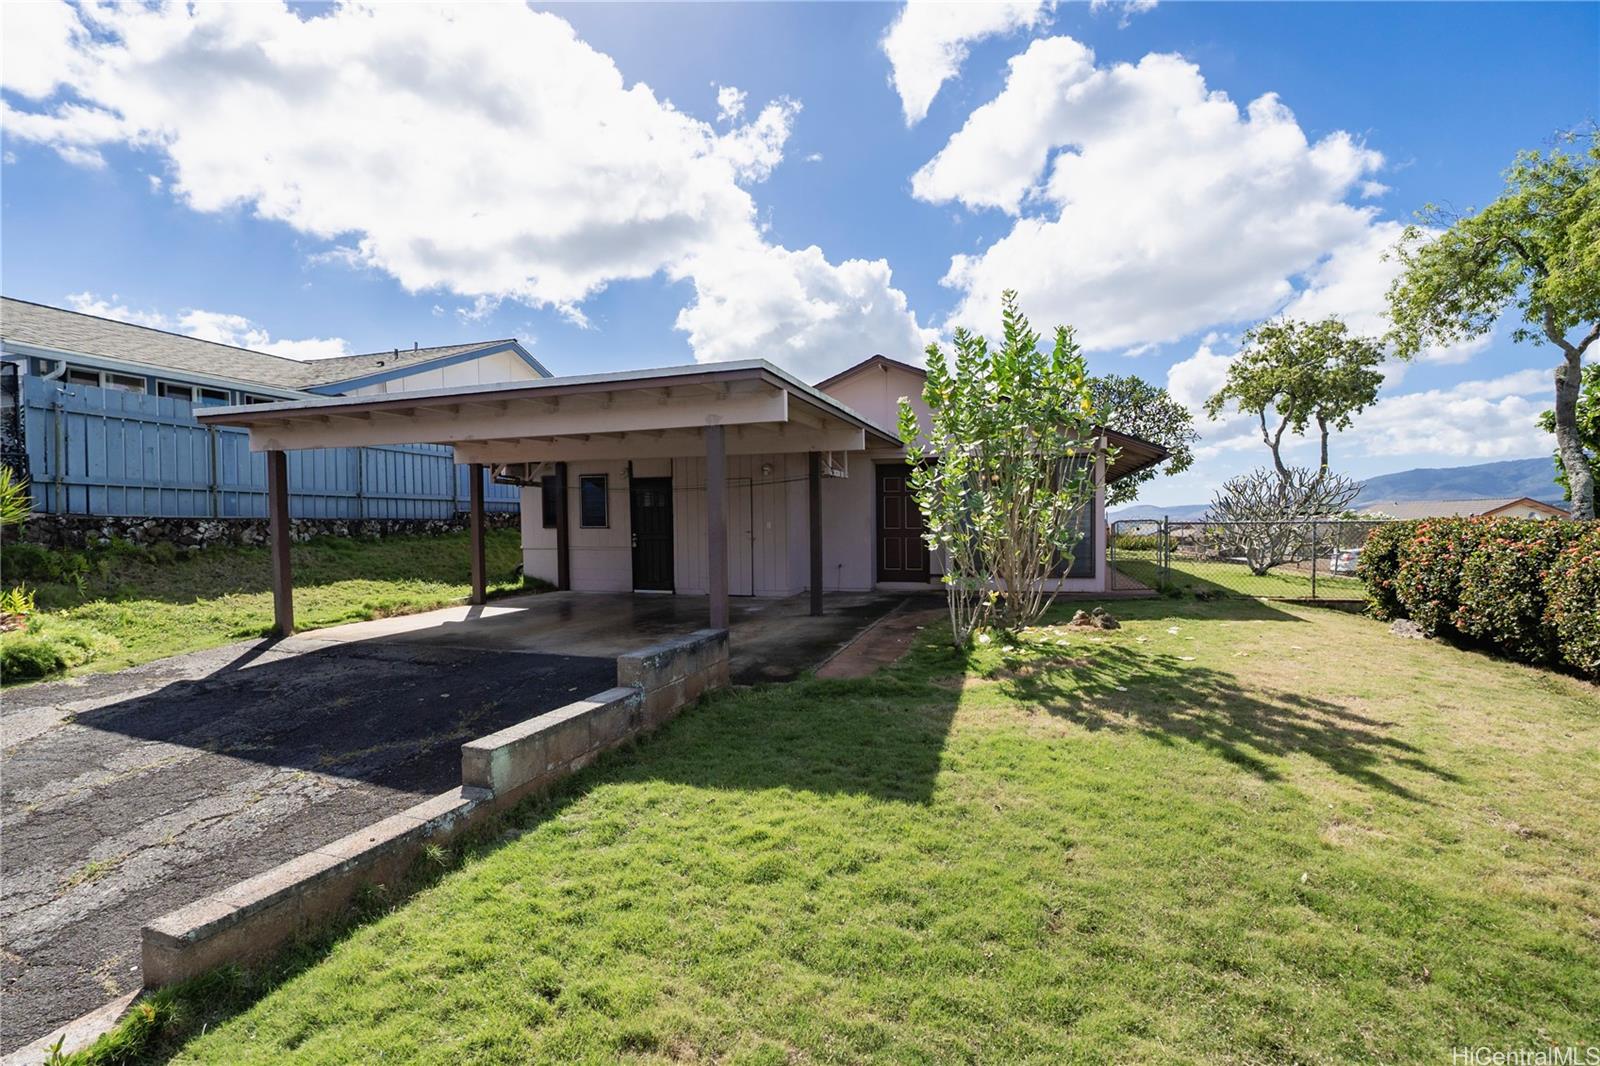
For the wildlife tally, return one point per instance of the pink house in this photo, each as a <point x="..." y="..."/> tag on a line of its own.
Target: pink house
<point x="726" y="479"/>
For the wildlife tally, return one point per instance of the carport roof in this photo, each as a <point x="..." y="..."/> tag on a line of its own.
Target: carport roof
<point x="576" y="416"/>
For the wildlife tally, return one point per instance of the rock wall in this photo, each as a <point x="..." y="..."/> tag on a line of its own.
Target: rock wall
<point x="85" y="531"/>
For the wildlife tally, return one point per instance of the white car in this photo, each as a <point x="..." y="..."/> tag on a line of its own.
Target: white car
<point x="1344" y="561"/>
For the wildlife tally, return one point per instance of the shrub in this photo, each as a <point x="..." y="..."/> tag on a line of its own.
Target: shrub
<point x="49" y="647"/>
<point x="1379" y="564"/>
<point x="1428" y="578"/>
<point x="1502" y="596"/>
<point x="1573" y="593"/>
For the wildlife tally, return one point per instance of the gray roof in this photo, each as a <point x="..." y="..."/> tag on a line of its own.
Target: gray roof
<point x="23" y="322"/>
<point x="1443" y="508"/>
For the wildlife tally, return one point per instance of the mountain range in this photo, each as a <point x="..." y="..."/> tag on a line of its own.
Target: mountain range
<point x="1511" y="478"/>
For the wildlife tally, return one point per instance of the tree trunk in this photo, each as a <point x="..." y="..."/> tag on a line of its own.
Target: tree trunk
<point x="1322" y="424"/>
<point x="1274" y="443"/>
<point x="1580" y="478"/>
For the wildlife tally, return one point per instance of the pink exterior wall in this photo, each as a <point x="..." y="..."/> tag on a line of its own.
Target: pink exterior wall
<point x="768" y="514"/>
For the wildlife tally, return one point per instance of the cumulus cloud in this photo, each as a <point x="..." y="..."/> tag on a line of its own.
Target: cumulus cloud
<point x="1147" y="206"/>
<point x="1490" y="419"/>
<point x="928" y="42"/>
<point x="37" y="47"/>
<point x="1125" y="9"/>
<point x="798" y="308"/>
<point x="482" y="150"/>
<point x="218" y="326"/>
<point x="730" y="103"/>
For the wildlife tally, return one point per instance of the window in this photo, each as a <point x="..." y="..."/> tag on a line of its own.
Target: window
<point x="175" y="392"/>
<point x="123" y="382"/>
<point x="592" y="509"/>
<point x="1083" y="553"/>
<point x="551" y="499"/>
<point x="211" y="397"/>
<point x="75" y="376"/>
<point x="246" y="397"/>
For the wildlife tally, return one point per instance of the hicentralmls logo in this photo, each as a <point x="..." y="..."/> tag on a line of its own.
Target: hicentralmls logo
<point x="1550" y="1056"/>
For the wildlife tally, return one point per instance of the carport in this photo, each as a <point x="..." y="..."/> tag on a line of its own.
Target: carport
<point x="525" y="430"/>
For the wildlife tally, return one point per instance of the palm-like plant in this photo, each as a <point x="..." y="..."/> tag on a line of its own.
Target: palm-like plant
<point x="15" y="506"/>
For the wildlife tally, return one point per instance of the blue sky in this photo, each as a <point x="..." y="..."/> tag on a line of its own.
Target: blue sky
<point x="324" y="180"/>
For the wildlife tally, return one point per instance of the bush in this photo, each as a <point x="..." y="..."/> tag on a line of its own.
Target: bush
<point x="1573" y="593"/>
<point x="48" y="647"/>
<point x="1378" y="565"/>
<point x="1529" y="588"/>
<point x="1428" y="578"/>
<point x="1502" y="599"/>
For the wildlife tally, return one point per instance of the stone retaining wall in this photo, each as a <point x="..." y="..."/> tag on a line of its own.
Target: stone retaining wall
<point x="251" y="920"/>
<point x="87" y="531"/>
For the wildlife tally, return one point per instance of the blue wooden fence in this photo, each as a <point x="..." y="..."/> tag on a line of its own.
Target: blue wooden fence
<point x="106" y="452"/>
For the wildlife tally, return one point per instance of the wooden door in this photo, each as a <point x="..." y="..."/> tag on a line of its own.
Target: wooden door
<point x="902" y="555"/>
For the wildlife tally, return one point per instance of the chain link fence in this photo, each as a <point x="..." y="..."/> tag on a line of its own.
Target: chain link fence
<point x="1293" y="560"/>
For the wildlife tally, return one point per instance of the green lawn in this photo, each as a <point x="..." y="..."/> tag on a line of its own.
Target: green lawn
<point x="1276" y="834"/>
<point x="153" y="606"/>
<point x="1235" y="579"/>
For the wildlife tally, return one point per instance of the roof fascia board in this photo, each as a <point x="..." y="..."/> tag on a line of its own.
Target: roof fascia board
<point x="102" y="362"/>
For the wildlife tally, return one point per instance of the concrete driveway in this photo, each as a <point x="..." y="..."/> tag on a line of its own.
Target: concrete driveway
<point x="127" y="795"/>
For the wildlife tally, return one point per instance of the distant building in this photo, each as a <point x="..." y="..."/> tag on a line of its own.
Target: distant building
<point x="1493" y="507"/>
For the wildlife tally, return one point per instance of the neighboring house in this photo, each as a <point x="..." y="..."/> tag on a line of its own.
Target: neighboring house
<point x="109" y="453"/>
<point x="1495" y="507"/>
<point x="705" y="479"/>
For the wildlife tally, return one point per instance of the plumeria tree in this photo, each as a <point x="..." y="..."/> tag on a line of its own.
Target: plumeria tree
<point x="1004" y="469"/>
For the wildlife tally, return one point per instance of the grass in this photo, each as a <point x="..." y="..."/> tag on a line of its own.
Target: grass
<point x="152" y="607"/>
<point x="1228" y="831"/>
<point x="1235" y="579"/>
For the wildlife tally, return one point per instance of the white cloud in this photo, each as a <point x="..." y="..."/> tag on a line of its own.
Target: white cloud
<point x="1149" y="206"/>
<point x="1126" y="9"/>
<point x="796" y="308"/>
<point x="37" y="47"/>
<point x="218" y="326"/>
<point x="482" y="150"/>
<point x="928" y="41"/>
<point x="730" y="103"/>
<point x="1492" y="419"/>
<point x="1353" y="281"/>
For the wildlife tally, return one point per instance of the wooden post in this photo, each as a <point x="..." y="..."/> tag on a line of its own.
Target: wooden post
<point x="480" y="588"/>
<point x="278" y="525"/>
<point x="814" y="461"/>
<point x="563" y="549"/>
<point x="717" y="524"/>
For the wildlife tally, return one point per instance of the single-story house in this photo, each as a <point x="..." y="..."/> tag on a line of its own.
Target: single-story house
<point x="716" y="479"/>
<point x="1492" y="507"/>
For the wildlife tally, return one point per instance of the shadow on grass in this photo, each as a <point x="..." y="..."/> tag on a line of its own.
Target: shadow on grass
<point x="1169" y="700"/>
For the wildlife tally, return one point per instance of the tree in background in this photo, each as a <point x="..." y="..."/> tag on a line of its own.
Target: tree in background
<point x="1007" y="469"/>
<point x="1588" y="426"/>
<point x="1264" y="517"/>
<point x="1131" y="404"/>
<point x="1302" y="372"/>
<point x="1536" y="248"/>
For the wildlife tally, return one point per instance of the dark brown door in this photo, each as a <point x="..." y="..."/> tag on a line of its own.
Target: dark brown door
<point x="651" y="510"/>
<point x="902" y="555"/>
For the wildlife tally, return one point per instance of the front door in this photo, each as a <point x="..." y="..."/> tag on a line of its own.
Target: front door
<point x="651" y="509"/>
<point x="902" y="555"/>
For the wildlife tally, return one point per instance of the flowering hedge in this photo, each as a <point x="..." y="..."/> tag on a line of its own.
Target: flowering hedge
<point x="1529" y="588"/>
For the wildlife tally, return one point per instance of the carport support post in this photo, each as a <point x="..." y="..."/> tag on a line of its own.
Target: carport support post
<point x="278" y="525"/>
<point x="717" y="524"/>
<point x="814" y="477"/>
<point x="563" y="552"/>
<point x="480" y="590"/>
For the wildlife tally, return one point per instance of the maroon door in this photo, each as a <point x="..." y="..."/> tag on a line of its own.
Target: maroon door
<point x="902" y="555"/>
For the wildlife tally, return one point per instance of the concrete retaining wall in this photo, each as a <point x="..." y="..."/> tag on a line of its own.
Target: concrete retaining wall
<point x="251" y="920"/>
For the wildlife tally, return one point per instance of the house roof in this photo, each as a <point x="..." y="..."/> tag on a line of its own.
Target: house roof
<point x="1453" y="508"/>
<point x="73" y="332"/>
<point x="1133" y="453"/>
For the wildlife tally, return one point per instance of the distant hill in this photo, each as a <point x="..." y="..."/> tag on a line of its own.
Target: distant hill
<point x="1514" y="477"/>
